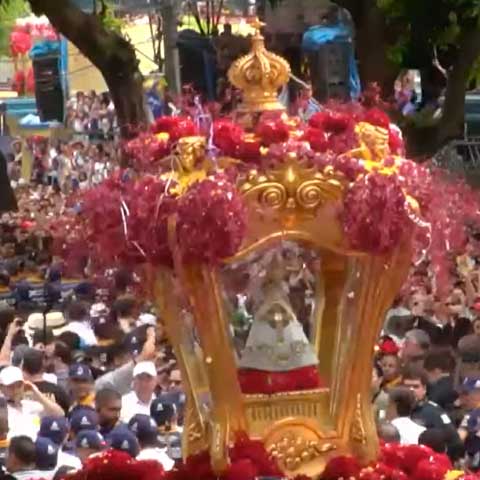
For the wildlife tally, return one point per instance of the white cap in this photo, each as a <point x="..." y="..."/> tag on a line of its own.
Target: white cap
<point x="10" y="375"/>
<point x="145" y="367"/>
<point x="147" y="319"/>
<point x="50" y="378"/>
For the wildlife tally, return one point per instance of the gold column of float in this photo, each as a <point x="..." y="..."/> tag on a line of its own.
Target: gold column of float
<point x="381" y="278"/>
<point x="227" y="413"/>
<point x="194" y="380"/>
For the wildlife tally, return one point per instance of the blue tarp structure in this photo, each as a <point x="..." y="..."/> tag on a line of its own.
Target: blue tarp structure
<point x="319" y="35"/>
<point x="47" y="47"/>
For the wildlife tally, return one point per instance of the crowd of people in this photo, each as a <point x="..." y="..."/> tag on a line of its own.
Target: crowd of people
<point x="84" y="366"/>
<point x="426" y="377"/>
<point x="84" y="158"/>
<point x="91" y="116"/>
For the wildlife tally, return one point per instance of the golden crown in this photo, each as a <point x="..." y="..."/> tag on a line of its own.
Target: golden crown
<point x="259" y="75"/>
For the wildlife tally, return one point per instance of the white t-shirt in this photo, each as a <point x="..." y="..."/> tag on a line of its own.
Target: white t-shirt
<point x="408" y="429"/>
<point x="158" y="454"/>
<point x="24" y="420"/>
<point x="67" y="460"/>
<point x="34" y="474"/>
<point x="84" y="331"/>
<point x="132" y="405"/>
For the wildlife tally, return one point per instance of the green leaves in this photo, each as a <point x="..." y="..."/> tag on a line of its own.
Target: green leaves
<point x="109" y="20"/>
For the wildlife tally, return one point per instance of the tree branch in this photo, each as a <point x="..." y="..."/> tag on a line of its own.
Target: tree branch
<point x="112" y="54"/>
<point x="102" y="47"/>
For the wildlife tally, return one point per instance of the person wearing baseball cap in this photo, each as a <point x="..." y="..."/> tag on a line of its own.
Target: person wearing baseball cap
<point x="164" y="414"/>
<point x="470" y="399"/>
<point x="146" y="431"/>
<point x="143" y="391"/>
<point x="83" y="418"/>
<point x="170" y="434"/>
<point x="121" y="438"/>
<point x="81" y="385"/>
<point x="46" y="455"/>
<point x="56" y="429"/>
<point x="472" y="440"/>
<point x="89" y="442"/>
<point x="24" y="413"/>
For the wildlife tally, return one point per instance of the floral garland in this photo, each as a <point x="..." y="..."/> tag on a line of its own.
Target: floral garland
<point x="250" y="460"/>
<point x="125" y="218"/>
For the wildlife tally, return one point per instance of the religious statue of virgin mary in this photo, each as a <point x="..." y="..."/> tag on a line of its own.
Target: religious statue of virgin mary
<point x="277" y="355"/>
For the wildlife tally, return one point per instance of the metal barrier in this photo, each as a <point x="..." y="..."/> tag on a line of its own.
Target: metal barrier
<point x="460" y="156"/>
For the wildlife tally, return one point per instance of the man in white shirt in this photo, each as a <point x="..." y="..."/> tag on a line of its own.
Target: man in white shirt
<point x="401" y="404"/>
<point x="25" y="403"/>
<point x="142" y="394"/>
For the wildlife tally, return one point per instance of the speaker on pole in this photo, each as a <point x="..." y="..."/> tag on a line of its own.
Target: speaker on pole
<point x="48" y="88"/>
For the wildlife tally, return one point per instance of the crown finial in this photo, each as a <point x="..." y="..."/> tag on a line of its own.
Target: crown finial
<point x="259" y="75"/>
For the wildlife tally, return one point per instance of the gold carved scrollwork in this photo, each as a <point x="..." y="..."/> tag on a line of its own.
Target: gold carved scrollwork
<point x="292" y="451"/>
<point x="272" y="195"/>
<point x="357" y="431"/>
<point x="195" y="430"/>
<point x="291" y="186"/>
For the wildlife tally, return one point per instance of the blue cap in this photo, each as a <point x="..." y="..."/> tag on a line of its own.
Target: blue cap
<point x="84" y="289"/>
<point x="135" y="339"/>
<point x="80" y="371"/>
<point x="470" y="384"/>
<point x="473" y="421"/>
<point x="162" y="412"/>
<point x="121" y="438"/>
<point x="90" y="439"/>
<point x="172" y="441"/>
<point x="54" y="428"/>
<point x="144" y="428"/>
<point x="84" y="418"/>
<point x="46" y="453"/>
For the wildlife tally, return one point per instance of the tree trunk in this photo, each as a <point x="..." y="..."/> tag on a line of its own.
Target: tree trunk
<point x="170" y="37"/>
<point x="426" y="141"/>
<point x="372" y="37"/>
<point x="112" y="54"/>
<point x="453" y="117"/>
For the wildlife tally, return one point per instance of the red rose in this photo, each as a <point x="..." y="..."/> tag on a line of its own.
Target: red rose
<point x="272" y="131"/>
<point x="317" y="139"/>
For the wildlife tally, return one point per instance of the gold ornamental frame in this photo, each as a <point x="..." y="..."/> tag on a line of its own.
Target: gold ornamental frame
<point x="301" y="429"/>
<point x="297" y="203"/>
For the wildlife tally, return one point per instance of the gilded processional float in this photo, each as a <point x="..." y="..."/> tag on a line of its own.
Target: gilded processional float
<point x="274" y="248"/>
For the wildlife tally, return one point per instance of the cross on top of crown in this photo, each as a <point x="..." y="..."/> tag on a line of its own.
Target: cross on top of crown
<point x="257" y="24"/>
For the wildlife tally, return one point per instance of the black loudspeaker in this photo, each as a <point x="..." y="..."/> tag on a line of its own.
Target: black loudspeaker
<point x="48" y="88"/>
<point x="329" y="71"/>
<point x="8" y="202"/>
